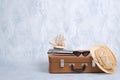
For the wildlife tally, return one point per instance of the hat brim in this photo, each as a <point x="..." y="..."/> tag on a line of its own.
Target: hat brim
<point x="104" y="58"/>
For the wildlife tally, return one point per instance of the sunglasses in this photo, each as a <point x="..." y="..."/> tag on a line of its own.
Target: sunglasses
<point x="78" y="53"/>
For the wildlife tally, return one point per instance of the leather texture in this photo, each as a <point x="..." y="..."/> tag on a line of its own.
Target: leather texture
<point x="56" y="66"/>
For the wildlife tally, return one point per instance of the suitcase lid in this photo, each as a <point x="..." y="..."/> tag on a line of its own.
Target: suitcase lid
<point x="69" y="58"/>
<point x="104" y="58"/>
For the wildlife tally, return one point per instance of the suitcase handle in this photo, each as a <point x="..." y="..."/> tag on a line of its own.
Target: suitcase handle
<point x="78" y="70"/>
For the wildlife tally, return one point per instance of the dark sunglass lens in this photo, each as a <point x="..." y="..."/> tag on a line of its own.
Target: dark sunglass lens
<point x="76" y="53"/>
<point x="85" y="53"/>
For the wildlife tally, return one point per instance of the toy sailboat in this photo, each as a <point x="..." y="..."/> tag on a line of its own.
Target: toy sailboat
<point x="58" y="42"/>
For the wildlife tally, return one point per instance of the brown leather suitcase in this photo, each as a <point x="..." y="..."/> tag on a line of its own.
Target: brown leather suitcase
<point x="72" y="64"/>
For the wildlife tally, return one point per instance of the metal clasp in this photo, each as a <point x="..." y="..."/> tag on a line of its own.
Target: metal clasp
<point x="93" y="63"/>
<point x="84" y="64"/>
<point x="71" y="64"/>
<point x="62" y="63"/>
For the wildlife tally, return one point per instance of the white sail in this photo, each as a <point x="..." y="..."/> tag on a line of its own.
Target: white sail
<point x="58" y="41"/>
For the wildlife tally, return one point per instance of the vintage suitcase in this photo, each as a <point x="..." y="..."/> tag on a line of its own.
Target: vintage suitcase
<point x="98" y="59"/>
<point x="72" y="64"/>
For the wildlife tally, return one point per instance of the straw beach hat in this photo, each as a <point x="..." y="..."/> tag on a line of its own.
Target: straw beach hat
<point x="104" y="58"/>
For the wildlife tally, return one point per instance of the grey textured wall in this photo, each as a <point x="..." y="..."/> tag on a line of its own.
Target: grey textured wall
<point x="26" y="27"/>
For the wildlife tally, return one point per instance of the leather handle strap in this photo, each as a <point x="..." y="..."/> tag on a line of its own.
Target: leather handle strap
<point x="78" y="70"/>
